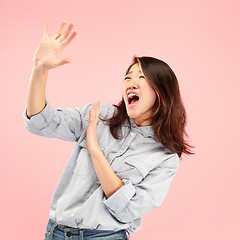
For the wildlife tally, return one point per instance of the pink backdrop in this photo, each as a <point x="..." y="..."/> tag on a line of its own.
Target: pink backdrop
<point x="198" y="39"/>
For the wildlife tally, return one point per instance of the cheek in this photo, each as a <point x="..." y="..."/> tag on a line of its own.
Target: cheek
<point x="151" y="95"/>
<point x="123" y="89"/>
<point x="151" y="99"/>
<point x="123" y="93"/>
<point x="154" y="96"/>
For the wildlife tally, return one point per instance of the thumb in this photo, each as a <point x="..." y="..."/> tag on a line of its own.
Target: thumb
<point x="63" y="61"/>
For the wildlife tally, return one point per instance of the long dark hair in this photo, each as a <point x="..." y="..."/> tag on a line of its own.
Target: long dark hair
<point x="169" y="115"/>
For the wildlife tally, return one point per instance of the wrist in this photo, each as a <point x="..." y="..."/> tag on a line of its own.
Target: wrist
<point x="38" y="69"/>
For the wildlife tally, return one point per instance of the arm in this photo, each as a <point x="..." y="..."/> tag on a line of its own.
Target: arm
<point x="66" y="124"/>
<point x="46" y="57"/>
<point x="39" y="117"/>
<point x="110" y="182"/>
<point x="36" y="92"/>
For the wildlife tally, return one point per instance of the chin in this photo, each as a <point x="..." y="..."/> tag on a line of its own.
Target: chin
<point x="132" y="115"/>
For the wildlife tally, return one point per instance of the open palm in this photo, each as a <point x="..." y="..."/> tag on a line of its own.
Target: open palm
<point x="47" y="54"/>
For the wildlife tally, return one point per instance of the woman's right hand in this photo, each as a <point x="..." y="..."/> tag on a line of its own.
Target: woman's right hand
<point x="47" y="54"/>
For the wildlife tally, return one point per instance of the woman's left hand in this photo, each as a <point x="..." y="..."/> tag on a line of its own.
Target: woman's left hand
<point x="91" y="132"/>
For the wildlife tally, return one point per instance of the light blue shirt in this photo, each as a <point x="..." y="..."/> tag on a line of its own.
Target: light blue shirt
<point x="138" y="159"/>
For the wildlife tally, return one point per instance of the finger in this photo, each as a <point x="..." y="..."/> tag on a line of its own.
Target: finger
<point x="69" y="39"/>
<point x="46" y="29"/>
<point x="66" y="33"/>
<point x="60" y="30"/>
<point x="97" y="108"/>
<point x="93" y="113"/>
<point x="69" y="29"/>
<point x="92" y="118"/>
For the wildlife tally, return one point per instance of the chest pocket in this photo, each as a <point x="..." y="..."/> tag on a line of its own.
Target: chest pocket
<point x="133" y="170"/>
<point x="139" y="168"/>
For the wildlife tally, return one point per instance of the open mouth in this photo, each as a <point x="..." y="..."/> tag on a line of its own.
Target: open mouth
<point x="132" y="99"/>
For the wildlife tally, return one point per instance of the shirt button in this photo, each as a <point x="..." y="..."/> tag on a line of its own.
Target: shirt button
<point x="69" y="234"/>
<point x="132" y="134"/>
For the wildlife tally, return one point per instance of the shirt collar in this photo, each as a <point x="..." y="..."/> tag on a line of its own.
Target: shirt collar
<point x="146" y="131"/>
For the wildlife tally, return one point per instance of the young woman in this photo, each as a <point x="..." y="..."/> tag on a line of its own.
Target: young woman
<point x="125" y="155"/>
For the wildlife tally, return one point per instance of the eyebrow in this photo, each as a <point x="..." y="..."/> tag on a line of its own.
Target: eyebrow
<point x="131" y="72"/>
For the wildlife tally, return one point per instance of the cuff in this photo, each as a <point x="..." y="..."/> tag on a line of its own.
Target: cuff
<point x="39" y="120"/>
<point x="117" y="202"/>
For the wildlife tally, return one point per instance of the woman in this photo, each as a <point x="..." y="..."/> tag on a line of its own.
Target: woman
<point x="125" y="156"/>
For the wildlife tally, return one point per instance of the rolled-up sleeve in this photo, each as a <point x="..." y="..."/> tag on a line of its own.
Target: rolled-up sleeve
<point x="131" y="202"/>
<point x="65" y="124"/>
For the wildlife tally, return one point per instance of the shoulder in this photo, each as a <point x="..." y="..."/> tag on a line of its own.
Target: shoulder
<point x="106" y="109"/>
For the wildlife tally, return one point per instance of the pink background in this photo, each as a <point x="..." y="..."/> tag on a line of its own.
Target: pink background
<point x="198" y="39"/>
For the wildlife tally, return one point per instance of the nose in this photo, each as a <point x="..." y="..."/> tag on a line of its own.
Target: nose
<point x="132" y="84"/>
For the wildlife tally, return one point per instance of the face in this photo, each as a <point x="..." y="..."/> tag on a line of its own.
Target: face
<point x="139" y="96"/>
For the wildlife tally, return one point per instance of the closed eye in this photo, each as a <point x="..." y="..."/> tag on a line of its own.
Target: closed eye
<point x="130" y="78"/>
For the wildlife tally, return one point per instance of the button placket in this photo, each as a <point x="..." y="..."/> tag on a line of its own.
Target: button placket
<point x="123" y="148"/>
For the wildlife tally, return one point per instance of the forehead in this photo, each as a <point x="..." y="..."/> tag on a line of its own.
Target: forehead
<point x="134" y="69"/>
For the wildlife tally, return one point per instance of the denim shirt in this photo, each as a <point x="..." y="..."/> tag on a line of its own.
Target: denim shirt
<point x="141" y="162"/>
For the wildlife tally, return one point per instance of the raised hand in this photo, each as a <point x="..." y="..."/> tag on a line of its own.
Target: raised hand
<point x="47" y="54"/>
<point x="91" y="132"/>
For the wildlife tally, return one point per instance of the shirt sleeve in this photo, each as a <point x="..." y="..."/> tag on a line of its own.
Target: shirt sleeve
<point x="64" y="123"/>
<point x="131" y="202"/>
